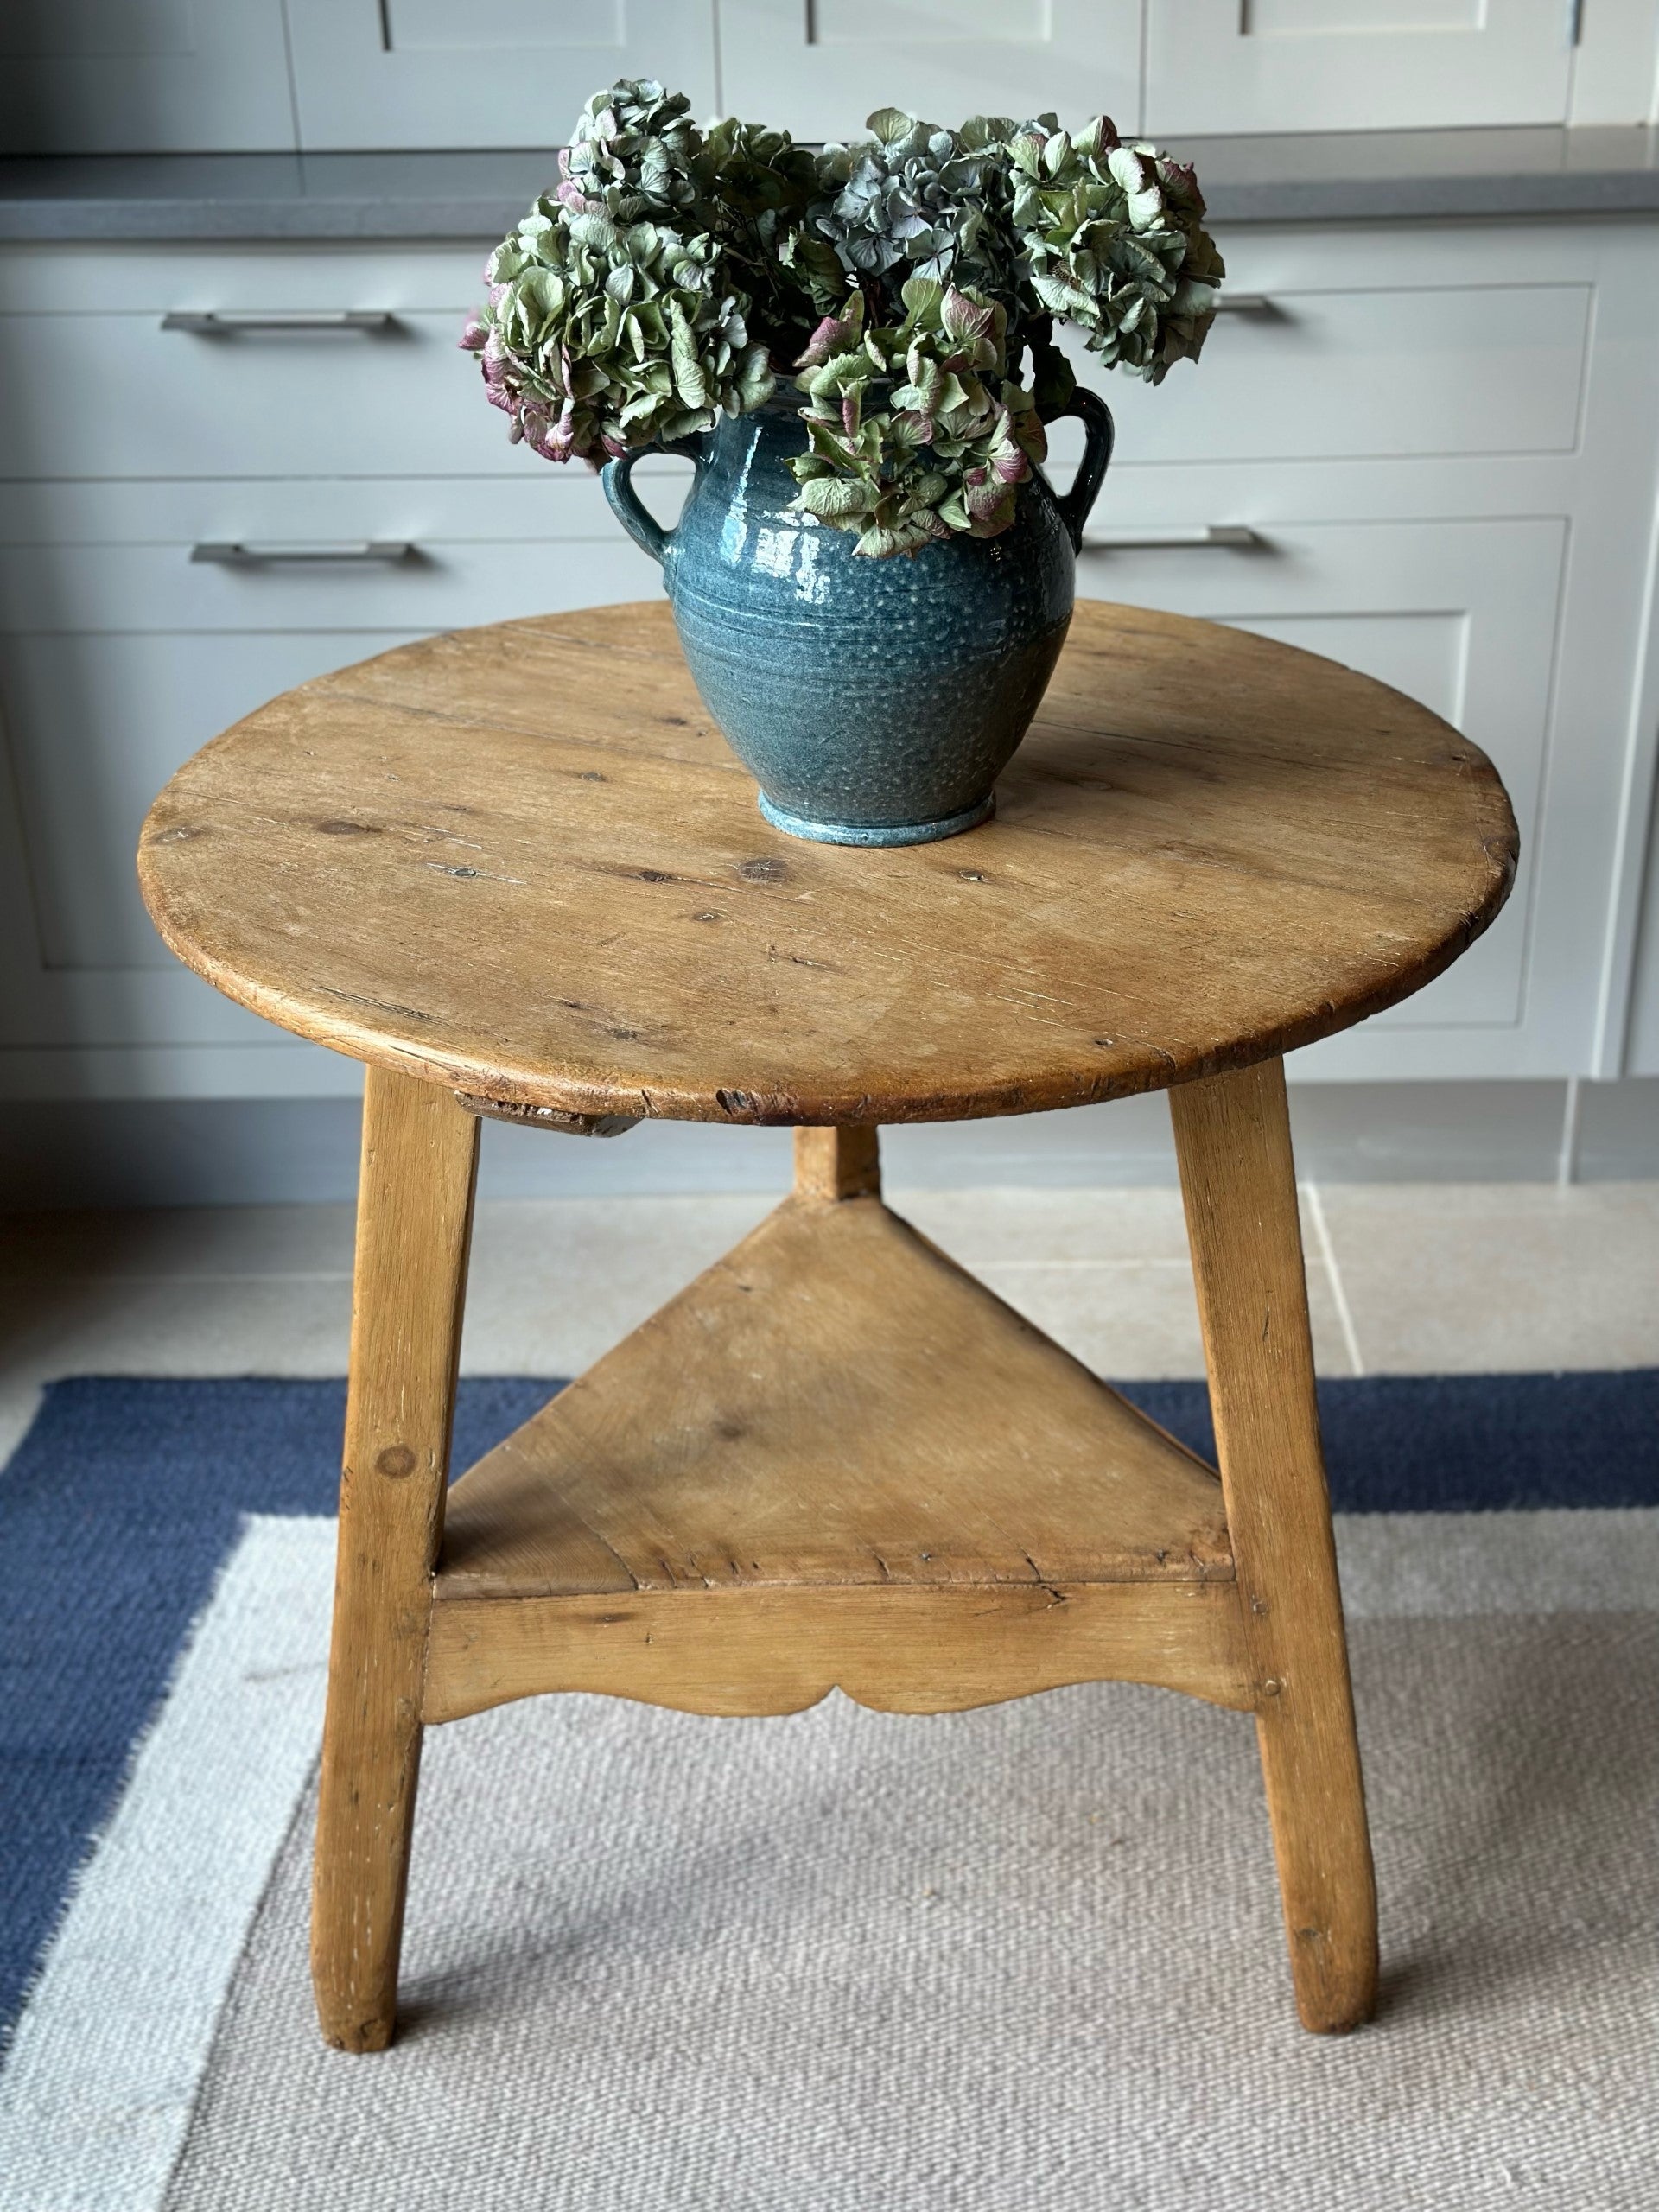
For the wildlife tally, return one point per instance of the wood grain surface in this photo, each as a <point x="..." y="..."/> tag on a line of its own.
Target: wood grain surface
<point x="834" y="1403"/>
<point x="414" y="1227"/>
<point x="1238" y="1180"/>
<point x="522" y="861"/>
<point x="915" y="1647"/>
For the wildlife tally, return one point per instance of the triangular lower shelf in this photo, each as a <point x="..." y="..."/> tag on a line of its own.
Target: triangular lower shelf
<point x="834" y="1404"/>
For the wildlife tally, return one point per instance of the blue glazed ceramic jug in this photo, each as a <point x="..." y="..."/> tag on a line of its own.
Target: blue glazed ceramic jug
<point x="875" y="703"/>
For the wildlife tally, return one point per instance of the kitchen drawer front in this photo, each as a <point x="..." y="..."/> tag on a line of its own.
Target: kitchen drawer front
<point x="98" y="388"/>
<point x="356" y="555"/>
<point x="541" y="500"/>
<point x="1351" y="372"/>
<point x="1363" y="351"/>
<point x="1461" y="615"/>
<point x="123" y="397"/>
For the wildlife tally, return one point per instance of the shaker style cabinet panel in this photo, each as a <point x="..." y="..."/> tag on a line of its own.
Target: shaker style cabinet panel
<point x="483" y="72"/>
<point x="90" y="1001"/>
<point x="1460" y="615"/>
<point x="144" y="76"/>
<point x="1358" y="369"/>
<point x="1515" y="438"/>
<point x="1236" y="66"/>
<point x="123" y="649"/>
<point x="311" y="398"/>
<point x="258" y="362"/>
<point x="1433" y="455"/>
<point x="817" y="68"/>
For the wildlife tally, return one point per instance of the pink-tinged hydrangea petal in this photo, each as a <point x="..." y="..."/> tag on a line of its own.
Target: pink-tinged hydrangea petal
<point x="982" y="496"/>
<point x="562" y="437"/>
<point x="832" y="335"/>
<point x="962" y="318"/>
<point x="475" y="336"/>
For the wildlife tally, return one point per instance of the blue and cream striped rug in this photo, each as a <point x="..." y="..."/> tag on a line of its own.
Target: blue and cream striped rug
<point x="1023" y="1956"/>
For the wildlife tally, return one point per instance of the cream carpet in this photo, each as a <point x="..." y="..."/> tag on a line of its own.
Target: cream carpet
<point x="1024" y="1957"/>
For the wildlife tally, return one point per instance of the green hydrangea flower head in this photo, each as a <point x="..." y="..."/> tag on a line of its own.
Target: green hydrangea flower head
<point x="913" y="281"/>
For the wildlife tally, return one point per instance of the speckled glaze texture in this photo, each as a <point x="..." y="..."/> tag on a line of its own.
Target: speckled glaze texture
<point x="873" y="701"/>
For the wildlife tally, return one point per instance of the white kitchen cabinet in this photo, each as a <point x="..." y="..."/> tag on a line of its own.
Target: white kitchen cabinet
<point x="259" y="375"/>
<point x="119" y="656"/>
<point x="134" y="76"/>
<point x="1236" y="66"/>
<point x="1348" y="362"/>
<point x="492" y="73"/>
<point x="1586" y="839"/>
<point x="1182" y="67"/>
<point x="1460" y="615"/>
<point x="1443" y="440"/>
<point x="817" y="68"/>
<point x="144" y="76"/>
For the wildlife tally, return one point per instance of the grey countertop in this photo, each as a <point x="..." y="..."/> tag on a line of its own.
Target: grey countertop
<point x="1319" y="177"/>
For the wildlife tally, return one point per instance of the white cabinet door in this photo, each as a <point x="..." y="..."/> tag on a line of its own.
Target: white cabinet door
<point x="119" y="656"/>
<point x="143" y="77"/>
<point x="1238" y="65"/>
<point x="1346" y="371"/>
<point x="487" y="72"/>
<point x="818" y="68"/>
<point x="1460" y="615"/>
<point x="237" y="364"/>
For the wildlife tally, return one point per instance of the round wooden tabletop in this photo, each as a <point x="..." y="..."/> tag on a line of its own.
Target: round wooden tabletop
<point x="521" y="861"/>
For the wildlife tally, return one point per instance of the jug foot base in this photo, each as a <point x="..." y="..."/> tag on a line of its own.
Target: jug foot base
<point x="893" y="833"/>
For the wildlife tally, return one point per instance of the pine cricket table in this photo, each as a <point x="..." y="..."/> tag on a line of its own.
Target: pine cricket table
<point x="516" y="872"/>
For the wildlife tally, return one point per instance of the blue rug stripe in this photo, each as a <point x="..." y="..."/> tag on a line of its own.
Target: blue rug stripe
<point x="118" y="1509"/>
<point x="127" y="1495"/>
<point x="1465" y="1443"/>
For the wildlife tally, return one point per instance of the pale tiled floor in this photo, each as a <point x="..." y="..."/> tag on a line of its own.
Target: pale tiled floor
<point x="1403" y="1278"/>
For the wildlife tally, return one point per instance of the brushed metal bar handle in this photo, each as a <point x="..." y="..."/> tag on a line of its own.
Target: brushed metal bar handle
<point x="223" y="555"/>
<point x="1246" y="303"/>
<point x="231" y="323"/>
<point x="1164" y="540"/>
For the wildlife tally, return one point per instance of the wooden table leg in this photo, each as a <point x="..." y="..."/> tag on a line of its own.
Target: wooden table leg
<point x="838" y="1163"/>
<point x="1232" y="1137"/>
<point x="414" y="1223"/>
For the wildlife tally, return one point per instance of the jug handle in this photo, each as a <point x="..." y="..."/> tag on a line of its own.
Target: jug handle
<point x="1096" y="419"/>
<point x="642" y="526"/>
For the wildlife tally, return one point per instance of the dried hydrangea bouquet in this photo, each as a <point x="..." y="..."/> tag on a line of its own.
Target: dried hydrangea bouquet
<point x="872" y="578"/>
